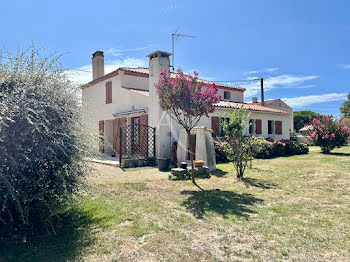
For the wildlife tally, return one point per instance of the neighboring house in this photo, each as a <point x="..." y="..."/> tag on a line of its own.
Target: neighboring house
<point x="127" y="97"/>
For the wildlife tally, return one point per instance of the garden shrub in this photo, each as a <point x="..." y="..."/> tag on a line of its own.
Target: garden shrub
<point x="299" y="148"/>
<point x="266" y="148"/>
<point x="42" y="143"/>
<point x="328" y="133"/>
<point x="220" y="154"/>
<point x="293" y="136"/>
<point x="278" y="148"/>
<point x="261" y="148"/>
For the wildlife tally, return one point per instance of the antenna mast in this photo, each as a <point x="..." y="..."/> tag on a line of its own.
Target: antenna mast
<point x="176" y="36"/>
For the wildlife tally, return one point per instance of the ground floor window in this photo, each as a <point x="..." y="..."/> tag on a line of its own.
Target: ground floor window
<point x="222" y="122"/>
<point x="270" y="125"/>
<point x="251" y="126"/>
<point x="274" y="127"/>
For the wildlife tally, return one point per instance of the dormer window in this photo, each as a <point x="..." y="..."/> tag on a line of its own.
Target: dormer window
<point x="227" y="95"/>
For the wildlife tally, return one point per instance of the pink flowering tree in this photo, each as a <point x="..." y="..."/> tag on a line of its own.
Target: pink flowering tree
<point x="187" y="100"/>
<point x="329" y="133"/>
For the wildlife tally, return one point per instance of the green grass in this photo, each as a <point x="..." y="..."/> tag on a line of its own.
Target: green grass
<point x="285" y="209"/>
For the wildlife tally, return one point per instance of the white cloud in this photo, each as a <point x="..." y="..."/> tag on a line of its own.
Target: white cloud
<point x="301" y="101"/>
<point x="83" y="74"/>
<point x="116" y="52"/>
<point x="263" y="70"/>
<point x="346" y="66"/>
<point x="281" y="81"/>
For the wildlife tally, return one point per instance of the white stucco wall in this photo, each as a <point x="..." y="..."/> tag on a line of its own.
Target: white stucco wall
<point x="94" y="100"/>
<point x="205" y="121"/>
<point x="131" y="81"/>
<point x="236" y="96"/>
<point x="279" y="104"/>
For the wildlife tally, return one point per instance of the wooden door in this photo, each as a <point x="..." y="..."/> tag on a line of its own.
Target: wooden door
<point x="117" y="124"/>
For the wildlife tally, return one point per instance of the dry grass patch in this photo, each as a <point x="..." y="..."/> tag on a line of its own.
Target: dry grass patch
<point x="286" y="209"/>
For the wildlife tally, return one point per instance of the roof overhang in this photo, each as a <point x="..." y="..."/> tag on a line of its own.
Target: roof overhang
<point x="130" y="112"/>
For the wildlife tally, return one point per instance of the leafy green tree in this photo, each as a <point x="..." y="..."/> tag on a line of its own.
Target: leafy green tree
<point x="238" y="147"/>
<point x="42" y="143"/>
<point x="345" y="108"/>
<point x="303" y="118"/>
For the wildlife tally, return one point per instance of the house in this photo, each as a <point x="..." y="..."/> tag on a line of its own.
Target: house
<point x="122" y="106"/>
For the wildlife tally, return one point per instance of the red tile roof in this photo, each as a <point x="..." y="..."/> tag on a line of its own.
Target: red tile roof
<point x="143" y="71"/>
<point x="249" y="106"/>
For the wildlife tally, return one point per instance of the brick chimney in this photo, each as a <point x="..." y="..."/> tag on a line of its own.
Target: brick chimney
<point x="98" y="65"/>
<point x="255" y="100"/>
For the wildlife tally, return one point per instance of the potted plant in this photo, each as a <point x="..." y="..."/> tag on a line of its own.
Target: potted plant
<point x="198" y="163"/>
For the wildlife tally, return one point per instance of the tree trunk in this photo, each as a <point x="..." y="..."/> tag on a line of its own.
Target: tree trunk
<point x="191" y="157"/>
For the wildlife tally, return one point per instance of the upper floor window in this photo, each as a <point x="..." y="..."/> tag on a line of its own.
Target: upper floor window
<point x="227" y="95"/>
<point x="109" y="92"/>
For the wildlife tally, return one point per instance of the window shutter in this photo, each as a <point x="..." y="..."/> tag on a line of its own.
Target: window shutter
<point x="144" y="120"/>
<point x="109" y="92"/>
<point x="117" y="124"/>
<point x="258" y="126"/>
<point x="278" y="125"/>
<point x="122" y="124"/>
<point x="101" y="125"/>
<point x="215" y="125"/>
<point x="144" y="138"/>
<point x="116" y="135"/>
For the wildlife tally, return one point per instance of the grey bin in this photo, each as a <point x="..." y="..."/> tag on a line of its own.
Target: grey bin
<point x="163" y="164"/>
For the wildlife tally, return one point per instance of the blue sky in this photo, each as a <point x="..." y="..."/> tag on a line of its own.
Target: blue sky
<point x="301" y="48"/>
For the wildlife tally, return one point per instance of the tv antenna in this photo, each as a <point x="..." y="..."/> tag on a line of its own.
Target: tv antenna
<point x="176" y="36"/>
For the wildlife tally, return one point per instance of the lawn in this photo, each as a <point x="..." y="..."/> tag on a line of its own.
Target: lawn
<point x="286" y="209"/>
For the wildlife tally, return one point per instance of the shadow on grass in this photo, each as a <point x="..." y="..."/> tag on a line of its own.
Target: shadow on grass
<point x="218" y="173"/>
<point x="72" y="236"/>
<point x="220" y="202"/>
<point x="338" y="154"/>
<point x="258" y="183"/>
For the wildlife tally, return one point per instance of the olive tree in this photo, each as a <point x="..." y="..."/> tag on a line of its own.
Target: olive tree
<point x="42" y="144"/>
<point x="238" y="147"/>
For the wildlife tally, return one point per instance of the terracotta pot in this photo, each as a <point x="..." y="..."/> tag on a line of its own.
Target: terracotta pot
<point x="198" y="164"/>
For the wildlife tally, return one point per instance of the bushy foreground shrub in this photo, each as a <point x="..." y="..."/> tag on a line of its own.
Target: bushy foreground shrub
<point x="328" y="133"/>
<point x="42" y="145"/>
